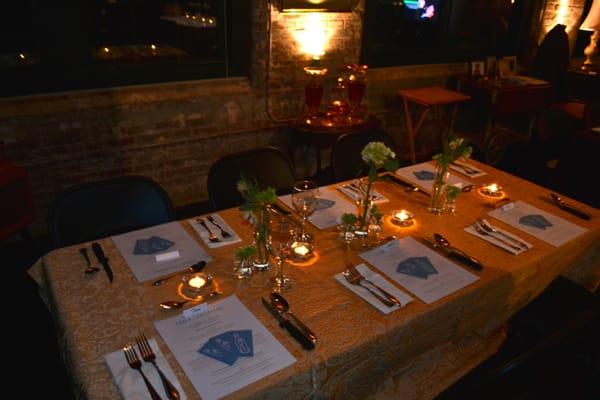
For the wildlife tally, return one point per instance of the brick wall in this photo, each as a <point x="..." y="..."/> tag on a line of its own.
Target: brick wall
<point x="173" y="132"/>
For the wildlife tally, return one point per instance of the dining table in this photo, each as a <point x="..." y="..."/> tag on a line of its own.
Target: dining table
<point x="414" y="352"/>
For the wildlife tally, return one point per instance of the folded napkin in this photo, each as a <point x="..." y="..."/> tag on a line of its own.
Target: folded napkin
<point x="468" y="170"/>
<point x="355" y="194"/>
<point x="379" y="281"/>
<point x="194" y="223"/>
<point x="499" y="240"/>
<point x="130" y="381"/>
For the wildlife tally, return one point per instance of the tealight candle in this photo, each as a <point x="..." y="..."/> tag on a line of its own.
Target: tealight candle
<point x="491" y="190"/>
<point x="197" y="282"/>
<point x="301" y="250"/>
<point x="194" y="284"/>
<point x="403" y="218"/>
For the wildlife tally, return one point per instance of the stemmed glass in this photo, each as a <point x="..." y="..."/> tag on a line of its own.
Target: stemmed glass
<point x="305" y="199"/>
<point x="280" y="246"/>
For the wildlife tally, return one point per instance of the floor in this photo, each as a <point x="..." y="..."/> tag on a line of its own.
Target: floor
<point x="552" y="350"/>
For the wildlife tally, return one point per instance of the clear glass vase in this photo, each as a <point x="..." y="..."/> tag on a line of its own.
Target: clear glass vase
<point x="438" y="192"/>
<point x="261" y="237"/>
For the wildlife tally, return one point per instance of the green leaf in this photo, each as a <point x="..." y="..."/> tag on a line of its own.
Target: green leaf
<point x="391" y="165"/>
<point x="372" y="174"/>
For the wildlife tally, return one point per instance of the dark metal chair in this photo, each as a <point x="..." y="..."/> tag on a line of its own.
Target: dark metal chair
<point x="346" y="161"/>
<point x="94" y="210"/>
<point x="268" y="165"/>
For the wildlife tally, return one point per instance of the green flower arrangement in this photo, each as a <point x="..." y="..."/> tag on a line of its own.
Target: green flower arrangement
<point x="453" y="149"/>
<point x="376" y="155"/>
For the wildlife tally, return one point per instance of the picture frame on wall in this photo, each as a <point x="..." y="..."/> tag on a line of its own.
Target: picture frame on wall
<point x="477" y="68"/>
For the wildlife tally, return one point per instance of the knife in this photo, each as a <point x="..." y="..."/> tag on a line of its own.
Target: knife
<point x="455" y="253"/>
<point x="291" y="328"/>
<point x="102" y="260"/>
<point x="560" y="203"/>
<point x="408" y="185"/>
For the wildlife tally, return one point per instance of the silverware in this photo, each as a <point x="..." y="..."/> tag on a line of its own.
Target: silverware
<point x="490" y="229"/>
<point x="224" y="233"/>
<point x="103" y="260"/>
<point x="468" y="170"/>
<point x="170" y="304"/>
<point x="481" y="231"/>
<point x="149" y="356"/>
<point x="285" y="323"/>
<point x="199" y="266"/>
<point x="355" y="278"/>
<point x="211" y="236"/>
<point x="453" y="252"/>
<point x="135" y="363"/>
<point x="281" y="304"/>
<point x="467" y="188"/>
<point x="569" y="208"/>
<point x="89" y="269"/>
<point x="409" y="187"/>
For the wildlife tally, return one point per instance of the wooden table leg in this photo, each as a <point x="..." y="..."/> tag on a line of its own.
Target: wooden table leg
<point x="412" y="131"/>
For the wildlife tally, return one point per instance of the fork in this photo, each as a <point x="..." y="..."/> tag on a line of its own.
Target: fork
<point x="135" y="363"/>
<point x="149" y="356"/>
<point x="224" y="233"/>
<point x="483" y="232"/>
<point x="490" y="229"/>
<point x="211" y="236"/>
<point x="355" y="278"/>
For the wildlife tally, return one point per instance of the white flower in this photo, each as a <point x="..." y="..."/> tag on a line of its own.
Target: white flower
<point x="455" y="143"/>
<point x="376" y="153"/>
<point x="242" y="186"/>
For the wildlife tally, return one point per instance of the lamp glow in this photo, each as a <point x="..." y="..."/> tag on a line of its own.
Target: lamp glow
<point x="591" y="23"/>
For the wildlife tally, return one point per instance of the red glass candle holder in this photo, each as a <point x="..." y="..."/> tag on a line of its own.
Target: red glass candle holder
<point x="357" y="85"/>
<point x="313" y="90"/>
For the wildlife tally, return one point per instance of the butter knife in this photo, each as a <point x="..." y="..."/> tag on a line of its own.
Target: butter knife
<point x="103" y="260"/>
<point x="285" y="323"/>
<point x="569" y="208"/>
<point x="453" y="252"/>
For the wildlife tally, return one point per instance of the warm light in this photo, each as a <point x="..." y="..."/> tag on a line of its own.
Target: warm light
<point x="491" y="190"/>
<point x="301" y="250"/>
<point x="312" y="37"/>
<point x="562" y="12"/>
<point x="197" y="282"/>
<point x="153" y="47"/>
<point x="21" y="56"/>
<point x="402" y="218"/>
<point x="106" y="50"/>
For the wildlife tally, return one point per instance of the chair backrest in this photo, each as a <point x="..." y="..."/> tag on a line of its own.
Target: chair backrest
<point x="346" y="161"/>
<point x="94" y="210"/>
<point x="268" y="165"/>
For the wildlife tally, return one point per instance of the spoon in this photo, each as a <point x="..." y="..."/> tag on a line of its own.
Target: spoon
<point x="170" y="304"/>
<point x="281" y="304"/>
<point x="199" y="266"/>
<point x="459" y="254"/>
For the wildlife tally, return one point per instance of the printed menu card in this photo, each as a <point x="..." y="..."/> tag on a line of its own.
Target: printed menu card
<point x="422" y="175"/>
<point x="329" y="210"/>
<point x="419" y="269"/>
<point x="159" y="250"/>
<point x="541" y="224"/>
<point x="223" y="349"/>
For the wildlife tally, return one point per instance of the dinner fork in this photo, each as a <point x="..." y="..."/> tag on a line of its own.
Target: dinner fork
<point x="490" y="229"/>
<point x="224" y="233"/>
<point x="355" y="278"/>
<point x="483" y="232"/>
<point x="149" y="356"/>
<point x="211" y="236"/>
<point x="135" y="363"/>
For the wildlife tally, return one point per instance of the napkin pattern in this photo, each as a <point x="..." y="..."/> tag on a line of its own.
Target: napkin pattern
<point x="424" y="175"/>
<point x="323" y="204"/>
<point x="536" y="221"/>
<point x="130" y="382"/>
<point x="419" y="267"/>
<point x="152" y="245"/>
<point x="229" y="346"/>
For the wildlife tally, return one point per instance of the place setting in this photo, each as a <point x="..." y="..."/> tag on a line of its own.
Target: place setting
<point x="214" y="230"/>
<point x="422" y="175"/>
<point x="498" y="237"/>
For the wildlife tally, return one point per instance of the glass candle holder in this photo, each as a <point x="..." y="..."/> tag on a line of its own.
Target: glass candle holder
<point x="196" y="284"/>
<point x="492" y="190"/>
<point x="301" y="250"/>
<point x="402" y="218"/>
<point x="313" y="89"/>
<point x="357" y="85"/>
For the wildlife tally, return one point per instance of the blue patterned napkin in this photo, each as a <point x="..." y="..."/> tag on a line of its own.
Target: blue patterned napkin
<point x="150" y="246"/>
<point x="536" y="221"/>
<point x="324" y="204"/>
<point x="229" y="346"/>
<point x="424" y="175"/>
<point x="419" y="267"/>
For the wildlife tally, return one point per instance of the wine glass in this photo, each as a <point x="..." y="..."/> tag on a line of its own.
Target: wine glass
<point x="281" y="239"/>
<point x="305" y="199"/>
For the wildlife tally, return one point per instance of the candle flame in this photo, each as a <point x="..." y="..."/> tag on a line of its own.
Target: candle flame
<point x="313" y="37"/>
<point x="197" y="282"/>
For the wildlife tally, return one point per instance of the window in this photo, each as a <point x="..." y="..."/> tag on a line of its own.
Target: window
<point x="47" y="46"/>
<point x="400" y="32"/>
